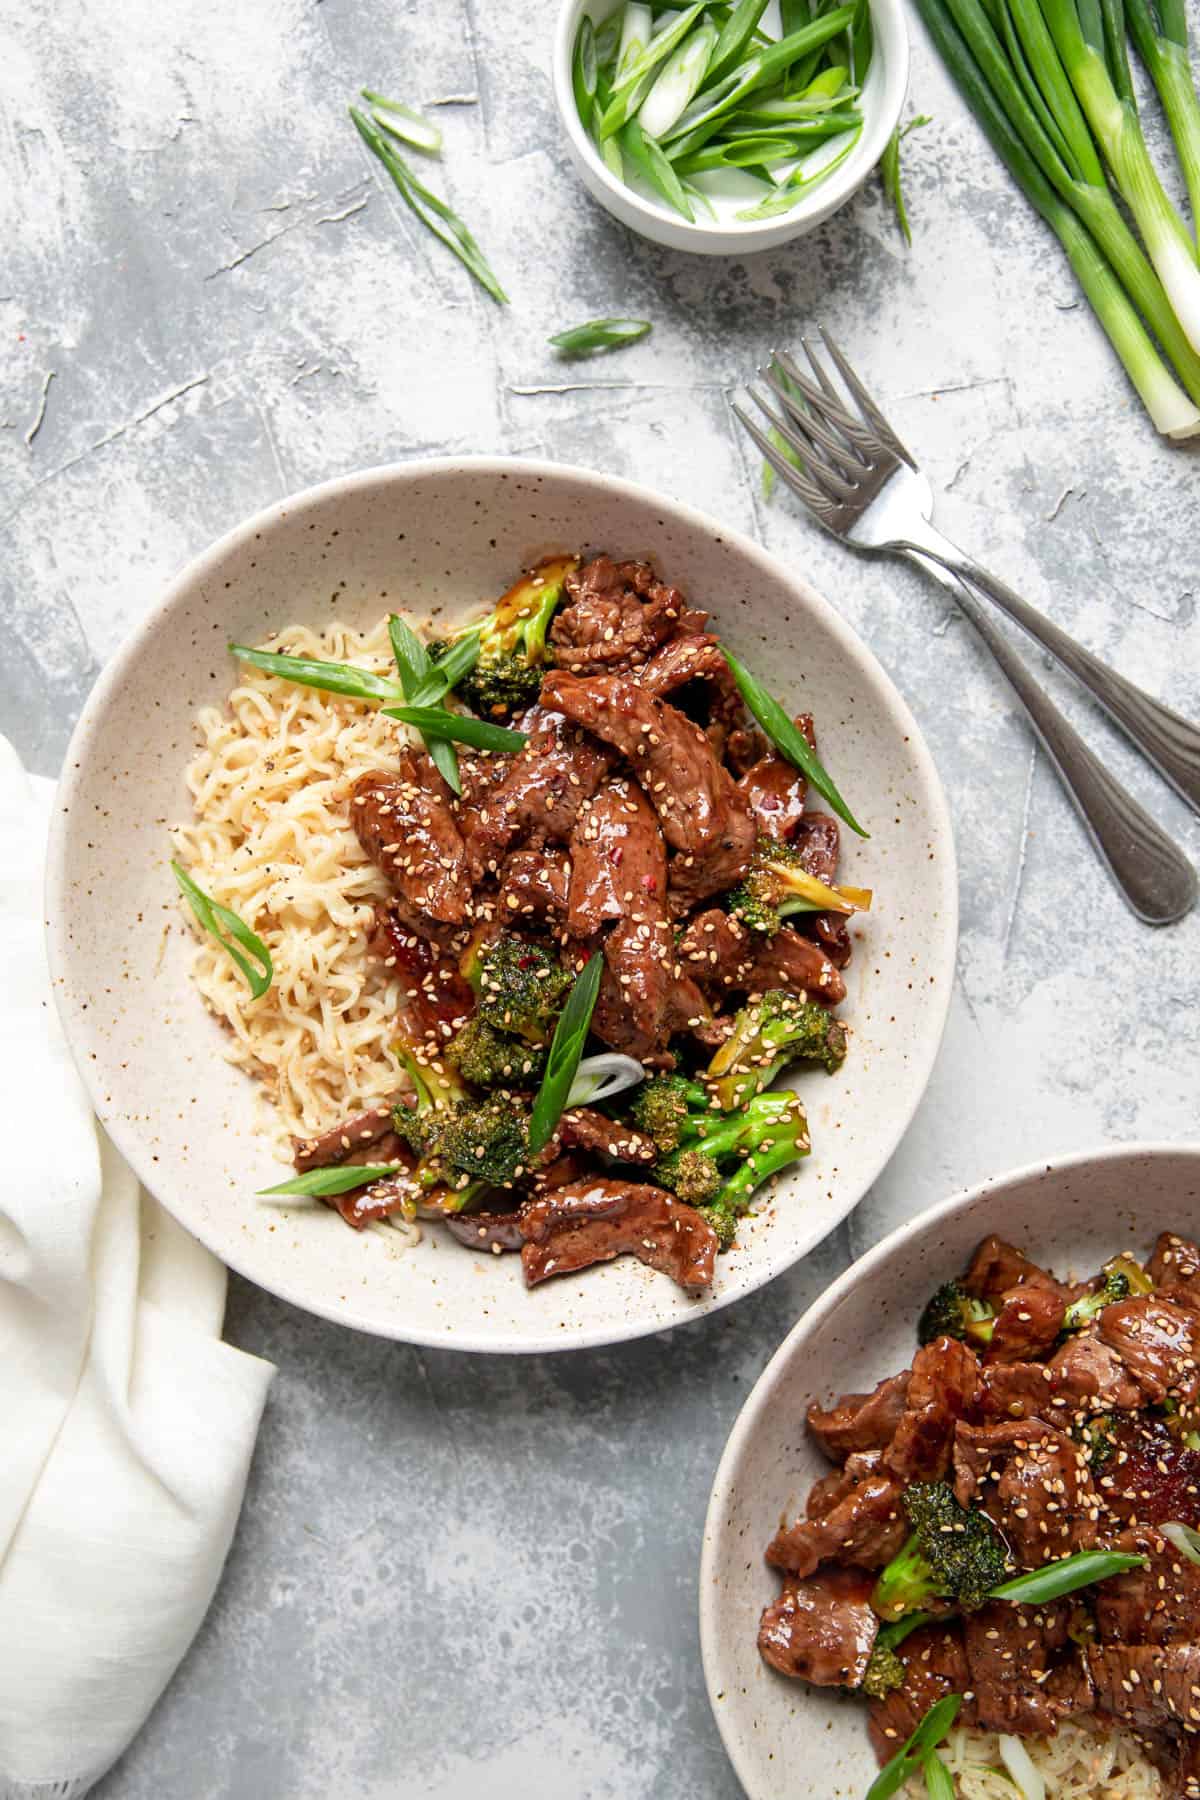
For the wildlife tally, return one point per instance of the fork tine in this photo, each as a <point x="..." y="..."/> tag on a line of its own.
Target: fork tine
<point x="804" y="490"/>
<point x="833" y="409"/>
<point x="817" y="468"/>
<point x="810" y="423"/>
<point x="869" y="409"/>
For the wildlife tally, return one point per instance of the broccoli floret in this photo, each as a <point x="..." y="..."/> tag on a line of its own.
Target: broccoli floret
<point x="884" y="1670"/>
<point x="777" y="884"/>
<point x="1080" y="1313"/>
<point x="460" y="1141"/>
<point x="512" y="643"/>
<point x="767" y="1036"/>
<point x="438" y="1092"/>
<point x="518" y="985"/>
<point x="952" y="1312"/>
<point x="667" y="1107"/>
<point x="1098" y="1437"/>
<point x="722" y="1158"/>
<point x="954" y="1553"/>
<point x="488" y="1058"/>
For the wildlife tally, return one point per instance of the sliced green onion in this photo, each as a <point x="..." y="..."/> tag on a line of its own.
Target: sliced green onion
<point x="758" y="71"/>
<point x="312" y="671"/>
<point x="432" y="211"/>
<point x="446" y="674"/>
<point x="338" y="1180"/>
<point x="928" y="1734"/>
<point x="1185" y="1539"/>
<point x="461" y="728"/>
<point x="637" y="26"/>
<point x="889" y="169"/>
<point x="813" y="170"/>
<point x="421" y="683"/>
<point x="631" y="82"/>
<point x="1064" y="1576"/>
<point x="602" y="1076"/>
<point x="647" y="158"/>
<point x="788" y="739"/>
<point x="677" y="82"/>
<point x="223" y="924"/>
<point x="566" y="1049"/>
<point x="412" y="658"/>
<point x="585" y="71"/>
<point x="1022" y="1768"/>
<point x="411" y="127"/>
<point x="599" y="334"/>
<point x="749" y="152"/>
<point x="736" y="35"/>
<point x="939" y="1782"/>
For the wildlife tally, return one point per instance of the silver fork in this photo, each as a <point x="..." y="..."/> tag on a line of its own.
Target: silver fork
<point x="859" y="481"/>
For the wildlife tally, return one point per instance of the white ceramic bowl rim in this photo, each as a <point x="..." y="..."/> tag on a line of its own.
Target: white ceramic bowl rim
<point x="809" y="1325"/>
<point x="116" y="672"/>
<point x="892" y="41"/>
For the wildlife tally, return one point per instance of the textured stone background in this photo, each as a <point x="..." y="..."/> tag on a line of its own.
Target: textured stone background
<point x="452" y="1576"/>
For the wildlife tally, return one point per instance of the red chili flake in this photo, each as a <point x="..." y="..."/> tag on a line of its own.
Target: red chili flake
<point x="649" y="882"/>
<point x="526" y="962"/>
<point x="617" y="855"/>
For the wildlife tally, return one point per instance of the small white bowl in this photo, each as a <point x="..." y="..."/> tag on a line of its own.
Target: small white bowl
<point x="787" y="1740"/>
<point x="881" y="102"/>
<point x="440" y="537"/>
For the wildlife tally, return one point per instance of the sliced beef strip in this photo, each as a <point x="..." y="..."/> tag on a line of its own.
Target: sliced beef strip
<point x="943" y="1387"/>
<point x="1159" y="1344"/>
<point x="616" y="616"/>
<point x="434" y="998"/>
<point x="867" y="1527"/>
<point x="935" y="1664"/>
<point x="534" y="887"/>
<point x="695" y="658"/>
<point x="717" y="952"/>
<point x="585" y="1129"/>
<point x="860" y="1421"/>
<point x="1012" y="1651"/>
<point x="361" y="1206"/>
<point x="821" y="1630"/>
<point x="491" y="1231"/>
<point x="539" y="798"/>
<point x="832" y="934"/>
<point x="1018" y="1390"/>
<point x="817" y="840"/>
<point x="1028" y="1322"/>
<point x="774" y="791"/>
<point x="597" y="1219"/>
<point x="618" y="860"/>
<point x="703" y="817"/>
<point x="1174" y="1269"/>
<point x="635" y="988"/>
<point x="405" y="825"/>
<point x="1147" y="1685"/>
<point x="1175" y="1753"/>
<point x="1033" y="1482"/>
<point x="795" y="963"/>
<point x="1087" y="1375"/>
<point x="997" y="1266"/>
<point x="1159" y="1604"/>
<point x="339" y="1143"/>
<point x="830" y="1490"/>
<point x="744" y="748"/>
<point x="1152" y="1478"/>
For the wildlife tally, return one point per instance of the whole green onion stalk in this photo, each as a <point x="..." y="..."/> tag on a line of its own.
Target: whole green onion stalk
<point x="1161" y="37"/>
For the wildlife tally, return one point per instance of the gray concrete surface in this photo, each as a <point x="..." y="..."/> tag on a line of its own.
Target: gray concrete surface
<point x="453" y="1577"/>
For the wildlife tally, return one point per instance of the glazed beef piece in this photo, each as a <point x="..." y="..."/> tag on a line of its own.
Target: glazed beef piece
<point x="597" y="1219"/>
<point x="1159" y="1604"/>
<point x="832" y="934"/>
<point x="695" y="659"/>
<point x="717" y="953"/>
<point x="636" y="986"/>
<point x="1028" y="1322"/>
<point x="774" y="791"/>
<point x="362" y="1206"/>
<point x="534" y="888"/>
<point x="341" y="1141"/>
<point x="1087" y="1376"/>
<point x="405" y="825"/>
<point x="539" y="797"/>
<point x="723" y="957"/>
<point x="821" y="1630"/>
<point x="703" y="817"/>
<point x="618" y="860"/>
<point x="1152" y="1477"/>
<point x="1033" y="1482"/>
<point x="1159" y="1344"/>
<point x="1017" y="1390"/>
<point x="795" y="963"/>
<point x="830" y="1490"/>
<point x="860" y="1421"/>
<point x="1012" y="1654"/>
<point x="434" y="998"/>
<point x="935" y="1664"/>
<point x="867" y="1527"/>
<point x="585" y="1129"/>
<point x="817" y="840"/>
<point x="1174" y="1269"/>
<point x="494" y="1232"/>
<point x="1147" y="1685"/>
<point x="943" y="1387"/>
<point x="997" y="1266"/>
<point x="616" y="616"/>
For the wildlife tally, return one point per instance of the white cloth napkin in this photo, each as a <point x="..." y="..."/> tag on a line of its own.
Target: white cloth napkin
<point x="127" y="1425"/>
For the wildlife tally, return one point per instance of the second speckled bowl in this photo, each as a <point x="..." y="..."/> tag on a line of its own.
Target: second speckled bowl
<point x="444" y="536"/>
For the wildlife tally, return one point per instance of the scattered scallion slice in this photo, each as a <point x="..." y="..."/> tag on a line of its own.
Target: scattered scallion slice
<point x="1021" y="1767"/>
<point x="461" y="728"/>
<point x="939" y="1783"/>
<point x="430" y="208"/>
<point x="230" y="932"/>
<point x="1185" y="1539"/>
<point x="422" y="683"/>
<point x="566" y="1049"/>
<point x="911" y="1754"/>
<point x="403" y="122"/>
<point x="602" y="1076"/>
<point x="312" y="671"/>
<point x="889" y="169"/>
<point x="599" y="334"/>
<point x="340" y="1180"/>
<point x="788" y="739"/>
<point x="1054" y="1579"/>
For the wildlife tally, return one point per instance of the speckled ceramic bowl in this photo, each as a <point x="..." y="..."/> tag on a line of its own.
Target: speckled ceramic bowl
<point x="788" y="1741"/>
<point x="446" y="535"/>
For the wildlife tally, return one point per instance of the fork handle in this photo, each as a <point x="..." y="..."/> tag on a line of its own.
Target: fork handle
<point x="1171" y="742"/>
<point x="1151" y="871"/>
